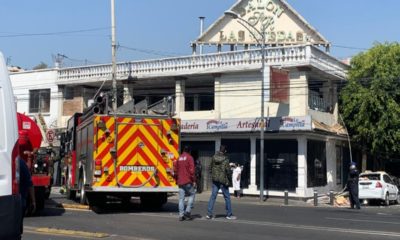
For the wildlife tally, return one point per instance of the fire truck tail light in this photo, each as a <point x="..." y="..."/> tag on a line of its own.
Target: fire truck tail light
<point x="97" y="168"/>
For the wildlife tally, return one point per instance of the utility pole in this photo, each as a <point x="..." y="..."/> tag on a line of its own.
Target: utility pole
<point x="113" y="52"/>
<point x="201" y="32"/>
<point x="262" y="33"/>
<point x="113" y="150"/>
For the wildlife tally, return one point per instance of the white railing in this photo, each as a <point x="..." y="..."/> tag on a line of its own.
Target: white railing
<point x="208" y="63"/>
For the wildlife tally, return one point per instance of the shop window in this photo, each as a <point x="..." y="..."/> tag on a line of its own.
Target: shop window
<point x="39" y="101"/>
<point x="316" y="163"/>
<point x="238" y="151"/>
<point x="280" y="164"/>
<point x="202" y="152"/>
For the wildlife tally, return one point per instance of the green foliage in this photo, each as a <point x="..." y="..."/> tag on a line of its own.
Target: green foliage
<point x="41" y="65"/>
<point x="370" y="101"/>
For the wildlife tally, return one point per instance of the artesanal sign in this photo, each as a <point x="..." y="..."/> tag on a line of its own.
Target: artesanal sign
<point x="247" y="125"/>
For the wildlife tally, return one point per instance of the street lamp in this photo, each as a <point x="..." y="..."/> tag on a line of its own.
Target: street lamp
<point x="234" y="15"/>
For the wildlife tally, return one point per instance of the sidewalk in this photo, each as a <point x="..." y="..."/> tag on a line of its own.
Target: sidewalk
<point x="255" y="200"/>
<point x="205" y="196"/>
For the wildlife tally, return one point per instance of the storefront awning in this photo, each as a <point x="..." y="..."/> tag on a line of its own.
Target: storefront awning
<point x="336" y="128"/>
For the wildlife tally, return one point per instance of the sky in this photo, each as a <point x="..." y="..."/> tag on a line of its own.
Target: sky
<point x="32" y="32"/>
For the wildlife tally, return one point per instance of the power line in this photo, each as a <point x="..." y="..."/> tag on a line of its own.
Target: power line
<point x="349" y="47"/>
<point x="151" y="51"/>
<point x="52" y="33"/>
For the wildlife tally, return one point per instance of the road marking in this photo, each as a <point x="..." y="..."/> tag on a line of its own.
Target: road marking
<point x="363" y="220"/>
<point x="284" y="225"/>
<point x="73" y="206"/>
<point x="384" y="214"/>
<point x="316" y="228"/>
<point x="65" y="232"/>
<point x="69" y="209"/>
<point x="79" y="234"/>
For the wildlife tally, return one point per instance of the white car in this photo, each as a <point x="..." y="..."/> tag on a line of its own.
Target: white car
<point x="10" y="200"/>
<point x="377" y="186"/>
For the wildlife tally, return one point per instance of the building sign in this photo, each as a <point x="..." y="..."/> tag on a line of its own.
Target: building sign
<point x="50" y="135"/>
<point x="247" y="125"/>
<point x="262" y="16"/>
<point x="274" y="19"/>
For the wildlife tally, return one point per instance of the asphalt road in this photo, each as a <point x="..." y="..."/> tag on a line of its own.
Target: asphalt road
<point x="255" y="221"/>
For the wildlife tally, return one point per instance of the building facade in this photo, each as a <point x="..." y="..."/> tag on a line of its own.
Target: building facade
<point x="218" y="97"/>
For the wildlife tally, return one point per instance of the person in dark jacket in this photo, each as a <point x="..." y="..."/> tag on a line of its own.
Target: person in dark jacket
<point x="219" y="169"/>
<point x="26" y="190"/>
<point x="184" y="172"/>
<point x="352" y="186"/>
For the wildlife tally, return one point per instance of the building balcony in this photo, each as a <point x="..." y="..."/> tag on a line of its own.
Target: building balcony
<point x="234" y="61"/>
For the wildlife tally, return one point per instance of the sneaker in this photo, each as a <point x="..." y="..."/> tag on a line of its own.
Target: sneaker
<point x="231" y="217"/>
<point x="181" y="218"/>
<point x="210" y="216"/>
<point x="187" y="216"/>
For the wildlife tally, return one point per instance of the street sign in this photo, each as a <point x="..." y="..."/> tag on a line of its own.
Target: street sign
<point x="50" y="135"/>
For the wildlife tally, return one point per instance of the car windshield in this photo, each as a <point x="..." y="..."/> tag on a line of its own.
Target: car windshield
<point x="370" y="176"/>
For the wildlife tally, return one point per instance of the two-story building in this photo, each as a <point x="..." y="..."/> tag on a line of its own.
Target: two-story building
<point x="268" y="56"/>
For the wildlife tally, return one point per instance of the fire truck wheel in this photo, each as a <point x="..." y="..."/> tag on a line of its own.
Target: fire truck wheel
<point x="71" y="194"/>
<point x="153" y="200"/>
<point x="40" y="193"/>
<point x="96" y="199"/>
<point x="82" y="193"/>
<point x="48" y="191"/>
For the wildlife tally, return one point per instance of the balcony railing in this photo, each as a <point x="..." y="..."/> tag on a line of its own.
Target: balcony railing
<point x="316" y="102"/>
<point x="302" y="55"/>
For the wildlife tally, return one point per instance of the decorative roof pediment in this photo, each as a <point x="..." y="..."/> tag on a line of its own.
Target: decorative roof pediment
<point x="280" y="23"/>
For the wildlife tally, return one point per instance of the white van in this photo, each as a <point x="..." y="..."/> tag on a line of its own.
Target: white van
<point x="10" y="202"/>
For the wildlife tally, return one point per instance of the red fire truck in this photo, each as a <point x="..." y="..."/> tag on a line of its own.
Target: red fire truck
<point x="38" y="159"/>
<point x="123" y="154"/>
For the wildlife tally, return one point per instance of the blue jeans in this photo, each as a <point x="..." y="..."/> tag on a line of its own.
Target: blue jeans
<point x="186" y="190"/>
<point x="216" y="186"/>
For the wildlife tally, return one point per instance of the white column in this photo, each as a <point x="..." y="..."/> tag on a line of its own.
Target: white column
<point x="180" y="96"/>
<point x="217" y="143"/>
<point x="127" y="93"/>
<point x="301" y="166"/>
<point x="253" y="165"/>
<point x="331" y="164"/>
<point x="217" y="97"/>
<point x="60" y="113"/>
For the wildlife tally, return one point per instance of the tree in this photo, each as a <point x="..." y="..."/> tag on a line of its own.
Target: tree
<point x="370" y="101"/>
<point x="41" y="65"/>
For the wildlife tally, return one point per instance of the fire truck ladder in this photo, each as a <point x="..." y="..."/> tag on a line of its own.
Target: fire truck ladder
<point x="42" y="126"/>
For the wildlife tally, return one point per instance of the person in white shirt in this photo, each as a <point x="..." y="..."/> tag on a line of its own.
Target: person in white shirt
<point x="236" y="179"/>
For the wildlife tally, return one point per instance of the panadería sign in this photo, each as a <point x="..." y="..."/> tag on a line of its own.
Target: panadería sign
<point x="247" y="125"/>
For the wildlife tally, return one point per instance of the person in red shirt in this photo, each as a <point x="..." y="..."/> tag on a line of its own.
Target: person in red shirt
<point x="184" y="172"/>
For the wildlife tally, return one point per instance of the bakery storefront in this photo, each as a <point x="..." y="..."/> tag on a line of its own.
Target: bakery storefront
<point x="285" y="146"/>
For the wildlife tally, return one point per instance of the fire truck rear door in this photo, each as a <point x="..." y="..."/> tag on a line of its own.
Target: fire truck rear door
<point x="138" y="152"/>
